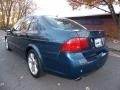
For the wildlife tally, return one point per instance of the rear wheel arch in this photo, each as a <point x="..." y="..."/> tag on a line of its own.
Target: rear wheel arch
<point x="35" y="65"/>
<point x="27" y="51"/>
<point x="35" y="48"/>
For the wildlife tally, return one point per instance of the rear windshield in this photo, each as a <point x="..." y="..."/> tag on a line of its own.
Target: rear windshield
<point x="65" y="24"/>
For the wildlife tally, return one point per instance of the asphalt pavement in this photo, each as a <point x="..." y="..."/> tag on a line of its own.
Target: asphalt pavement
<point x="14" y="75"/>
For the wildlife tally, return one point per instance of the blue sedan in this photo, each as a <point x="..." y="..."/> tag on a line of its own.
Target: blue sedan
<point x="58" y="46"/>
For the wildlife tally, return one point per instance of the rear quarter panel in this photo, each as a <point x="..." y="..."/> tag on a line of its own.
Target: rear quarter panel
<point x="50" y="44"/>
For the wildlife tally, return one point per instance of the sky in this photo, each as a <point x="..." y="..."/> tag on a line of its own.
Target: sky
<point x="61" y="8"/>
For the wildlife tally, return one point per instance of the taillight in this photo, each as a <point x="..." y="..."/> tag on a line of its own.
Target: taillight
<point x="75" y="44"/>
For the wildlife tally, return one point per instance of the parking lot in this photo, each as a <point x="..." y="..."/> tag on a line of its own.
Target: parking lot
<point x="14" y="75"/>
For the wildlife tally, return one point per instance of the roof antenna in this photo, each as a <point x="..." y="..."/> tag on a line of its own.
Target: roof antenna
<point x="57" y="15"/>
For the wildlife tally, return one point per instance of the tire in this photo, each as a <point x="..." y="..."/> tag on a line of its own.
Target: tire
<point x="7" y="45"/>
<point x="34" y="64"/>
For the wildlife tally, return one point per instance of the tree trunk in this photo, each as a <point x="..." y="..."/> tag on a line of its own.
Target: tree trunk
<point x="116" y="19"/>
<point x="118" y="34"/>
<point x="3" y="20"/>
<point x="8" y="19"/>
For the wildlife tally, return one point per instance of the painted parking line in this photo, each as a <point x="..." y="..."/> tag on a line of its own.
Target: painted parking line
<point x="114" y="54"/>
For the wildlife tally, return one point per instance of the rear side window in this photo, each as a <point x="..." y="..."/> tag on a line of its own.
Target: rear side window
<point x="33" y="27"/>
<point x="64" y="24"/>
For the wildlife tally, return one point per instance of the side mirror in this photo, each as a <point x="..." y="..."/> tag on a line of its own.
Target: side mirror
<point x="8" y="31"/>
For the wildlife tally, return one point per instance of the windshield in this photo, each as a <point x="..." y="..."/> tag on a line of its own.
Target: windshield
<point x="65" y="24"/>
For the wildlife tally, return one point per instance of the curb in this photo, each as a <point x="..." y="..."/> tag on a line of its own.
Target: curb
<point x="111" y="49"/>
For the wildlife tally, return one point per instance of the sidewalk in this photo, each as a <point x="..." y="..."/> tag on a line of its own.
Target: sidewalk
<point x="114" y="46"/>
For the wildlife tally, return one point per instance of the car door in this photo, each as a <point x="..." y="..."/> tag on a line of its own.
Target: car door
<point x="12" y="37"/>
<point x="19" y="37"/>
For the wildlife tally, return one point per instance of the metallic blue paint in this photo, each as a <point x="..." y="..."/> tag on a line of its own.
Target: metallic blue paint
<point x="47" y="44"/>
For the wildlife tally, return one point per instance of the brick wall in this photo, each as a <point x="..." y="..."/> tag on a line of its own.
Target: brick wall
<point x="108" y="26"/>
<point x="103" y="22"/>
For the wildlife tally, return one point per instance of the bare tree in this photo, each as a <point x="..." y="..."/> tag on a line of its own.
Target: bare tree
<point x="25" y="7"/>
<point x="2" y="10"/>
<point x="97" y="4"/>
<point x="11" y="10"/>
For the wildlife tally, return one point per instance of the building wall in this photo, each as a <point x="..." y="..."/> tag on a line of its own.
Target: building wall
<point x="105" y="23"/>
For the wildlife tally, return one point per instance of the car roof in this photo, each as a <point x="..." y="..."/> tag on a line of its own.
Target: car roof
<point x="43" y="16"/>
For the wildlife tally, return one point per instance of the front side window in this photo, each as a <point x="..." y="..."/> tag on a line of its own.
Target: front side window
<point x="16" y="26"/>
<point x="22" y="26"/>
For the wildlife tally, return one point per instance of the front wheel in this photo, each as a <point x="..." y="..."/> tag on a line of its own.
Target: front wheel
<point x="34" y="64"/>
<point x="7" y="45"/>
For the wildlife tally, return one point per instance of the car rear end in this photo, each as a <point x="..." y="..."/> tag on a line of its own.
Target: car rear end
<point x="79" y="51"/>
<point x="83" y="54"/>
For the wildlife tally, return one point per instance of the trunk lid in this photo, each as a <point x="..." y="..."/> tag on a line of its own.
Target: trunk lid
<point x="96" y="40"/>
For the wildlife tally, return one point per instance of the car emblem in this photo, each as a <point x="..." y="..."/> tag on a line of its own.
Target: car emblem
<point x="99" y="32"/>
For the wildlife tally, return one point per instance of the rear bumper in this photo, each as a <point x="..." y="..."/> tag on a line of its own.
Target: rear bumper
<point x="76" y="65"/>
<point x="88" y="68"/>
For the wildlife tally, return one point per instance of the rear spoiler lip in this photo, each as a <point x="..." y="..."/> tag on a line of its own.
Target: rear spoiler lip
<point x="99" y="33"/>
<point x="96" y="30"/>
